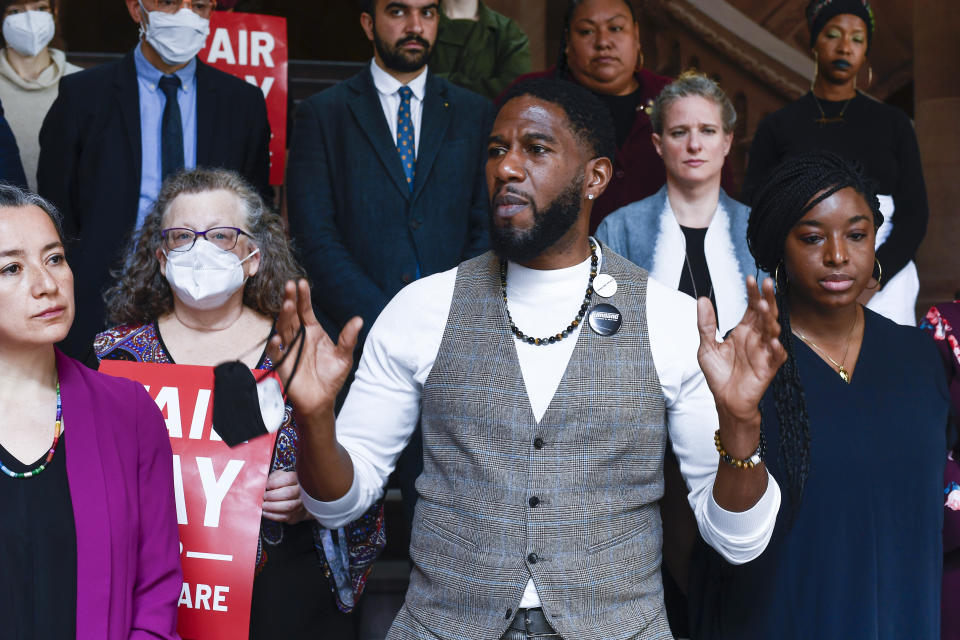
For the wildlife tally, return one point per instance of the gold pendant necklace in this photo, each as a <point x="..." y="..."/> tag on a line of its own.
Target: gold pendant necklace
<point x="823" y="119"/>
<point x="841" y="370"/>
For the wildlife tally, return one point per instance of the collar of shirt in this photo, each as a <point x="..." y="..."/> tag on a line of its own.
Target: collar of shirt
<point x="534" y="289"/>
<point x="387" y="85"/>
<point x="150" y="76"/>
<point x="388" y="89"/>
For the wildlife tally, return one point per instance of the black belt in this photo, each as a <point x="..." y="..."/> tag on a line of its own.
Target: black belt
<point x="534" y="623"/>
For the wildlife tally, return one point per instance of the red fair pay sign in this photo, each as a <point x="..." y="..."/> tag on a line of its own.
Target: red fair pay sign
<point x="219" y="496"/>
<point x="254" y="47"/>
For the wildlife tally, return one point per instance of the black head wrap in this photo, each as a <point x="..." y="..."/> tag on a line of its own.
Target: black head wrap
<point x="819" y="13"/>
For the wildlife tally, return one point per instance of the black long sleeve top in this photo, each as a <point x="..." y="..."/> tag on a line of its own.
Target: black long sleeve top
<point x="877" y="135"/>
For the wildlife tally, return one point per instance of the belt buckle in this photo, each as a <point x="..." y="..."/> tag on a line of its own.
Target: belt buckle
<point x="531" y="634"/>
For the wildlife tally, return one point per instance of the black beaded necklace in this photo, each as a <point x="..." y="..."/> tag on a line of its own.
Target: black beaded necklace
<point x="520" y="335"/>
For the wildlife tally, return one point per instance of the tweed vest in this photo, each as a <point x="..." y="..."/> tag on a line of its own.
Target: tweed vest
<point x="570" y="501"/>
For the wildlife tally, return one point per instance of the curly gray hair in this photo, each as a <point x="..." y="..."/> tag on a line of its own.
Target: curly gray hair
<point x="141" y="293"/>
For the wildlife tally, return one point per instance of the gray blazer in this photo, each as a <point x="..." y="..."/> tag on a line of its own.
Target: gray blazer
<point x="647" y="233"/>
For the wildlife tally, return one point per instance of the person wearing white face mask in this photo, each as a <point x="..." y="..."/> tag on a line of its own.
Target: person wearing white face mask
<point x="207" y="274"/>
<point x="30" y="72"/>
<point x="116" y="131"/>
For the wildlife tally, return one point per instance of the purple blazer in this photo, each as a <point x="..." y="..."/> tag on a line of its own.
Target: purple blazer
<point x="120" y="470"/>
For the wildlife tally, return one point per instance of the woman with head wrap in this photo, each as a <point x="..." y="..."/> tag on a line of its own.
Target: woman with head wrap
<point x="854" y="425"/>
<point x="838" y="117"/>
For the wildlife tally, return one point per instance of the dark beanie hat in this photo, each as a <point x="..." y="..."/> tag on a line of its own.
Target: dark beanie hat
<point x="819" y="13"/>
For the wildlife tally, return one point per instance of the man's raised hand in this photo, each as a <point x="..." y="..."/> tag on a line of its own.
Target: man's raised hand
<point x="323" y="365"/>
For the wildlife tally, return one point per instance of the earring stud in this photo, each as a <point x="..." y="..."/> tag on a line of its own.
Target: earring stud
<point x="589" y="196"/>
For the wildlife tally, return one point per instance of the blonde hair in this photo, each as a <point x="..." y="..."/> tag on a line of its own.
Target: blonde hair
<point x="693" y="83"/>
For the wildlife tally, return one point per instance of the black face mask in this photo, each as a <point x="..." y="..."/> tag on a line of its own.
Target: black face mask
<point x="241" y="403"/>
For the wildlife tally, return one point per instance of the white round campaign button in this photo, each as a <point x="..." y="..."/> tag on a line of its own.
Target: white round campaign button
<point x="605" y="285"/>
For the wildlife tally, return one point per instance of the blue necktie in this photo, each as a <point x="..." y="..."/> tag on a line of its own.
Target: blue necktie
<point x="405" y="138"/>
<point x="171" y="129"/>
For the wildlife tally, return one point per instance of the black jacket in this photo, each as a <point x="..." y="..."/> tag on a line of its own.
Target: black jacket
<point x="363" y="236"/>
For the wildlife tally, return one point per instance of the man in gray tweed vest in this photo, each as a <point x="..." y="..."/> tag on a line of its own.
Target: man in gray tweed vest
<point x="547" y="376"/>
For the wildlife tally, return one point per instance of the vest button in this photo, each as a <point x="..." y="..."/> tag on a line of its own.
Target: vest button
<point x="414" y="224"/>
<point x="509" y="614"/>
<point x="534" y="501"/>
<point x="538" y="443"/>
<point x="533" y="558"/>
<point x="406" y="278"/>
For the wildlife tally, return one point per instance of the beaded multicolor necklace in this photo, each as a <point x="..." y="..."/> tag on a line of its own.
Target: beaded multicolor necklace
<point x="520" y="335"/>
<point x="56" y="438"/>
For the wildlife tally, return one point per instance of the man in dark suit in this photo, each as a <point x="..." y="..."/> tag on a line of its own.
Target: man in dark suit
<point x="385" y="179"/>
<point x="112" y="136"/>
<point x="384" y="189"/>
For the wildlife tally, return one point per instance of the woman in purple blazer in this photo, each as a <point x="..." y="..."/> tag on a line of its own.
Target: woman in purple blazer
<point x="88" y="529"/>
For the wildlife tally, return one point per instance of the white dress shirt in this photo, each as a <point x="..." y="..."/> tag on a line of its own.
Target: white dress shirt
<point x="388" y="88"/>
<point x="383" y="406"/>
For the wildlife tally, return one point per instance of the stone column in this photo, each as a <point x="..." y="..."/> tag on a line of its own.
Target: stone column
<point x="936" y="68"/>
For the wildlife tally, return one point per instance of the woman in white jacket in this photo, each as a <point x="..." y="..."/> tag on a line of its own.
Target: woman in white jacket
<point x="30" y="72"/>
<point x="690" y="234"/>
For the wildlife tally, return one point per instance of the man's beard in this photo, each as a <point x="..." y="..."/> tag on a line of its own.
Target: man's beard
<point x="396" y="59"/>
<point x="549" y="225"/>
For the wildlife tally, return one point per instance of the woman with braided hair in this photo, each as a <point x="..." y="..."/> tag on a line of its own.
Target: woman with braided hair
<point x="855" y="429"/>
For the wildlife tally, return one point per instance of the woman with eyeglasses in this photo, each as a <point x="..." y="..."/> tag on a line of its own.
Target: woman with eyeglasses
<point x="201" y="284"/>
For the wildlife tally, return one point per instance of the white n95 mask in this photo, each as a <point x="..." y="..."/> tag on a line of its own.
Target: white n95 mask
<point x="205" y="277"/>
<point x="176" y="37"/>
<point x="28" y="32"/>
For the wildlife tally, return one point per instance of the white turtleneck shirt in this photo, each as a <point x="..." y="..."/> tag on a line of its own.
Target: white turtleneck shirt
<point x="383" y="406"/>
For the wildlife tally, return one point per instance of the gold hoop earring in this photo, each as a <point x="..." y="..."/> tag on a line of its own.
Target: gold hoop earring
<point x="640" y="62"/>
<point x="776" y="274"/>
<point x="879" y="275"/>
<point x="869" y="75"/>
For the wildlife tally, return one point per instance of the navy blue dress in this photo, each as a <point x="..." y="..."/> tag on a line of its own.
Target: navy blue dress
<point x="862" y="559"/>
